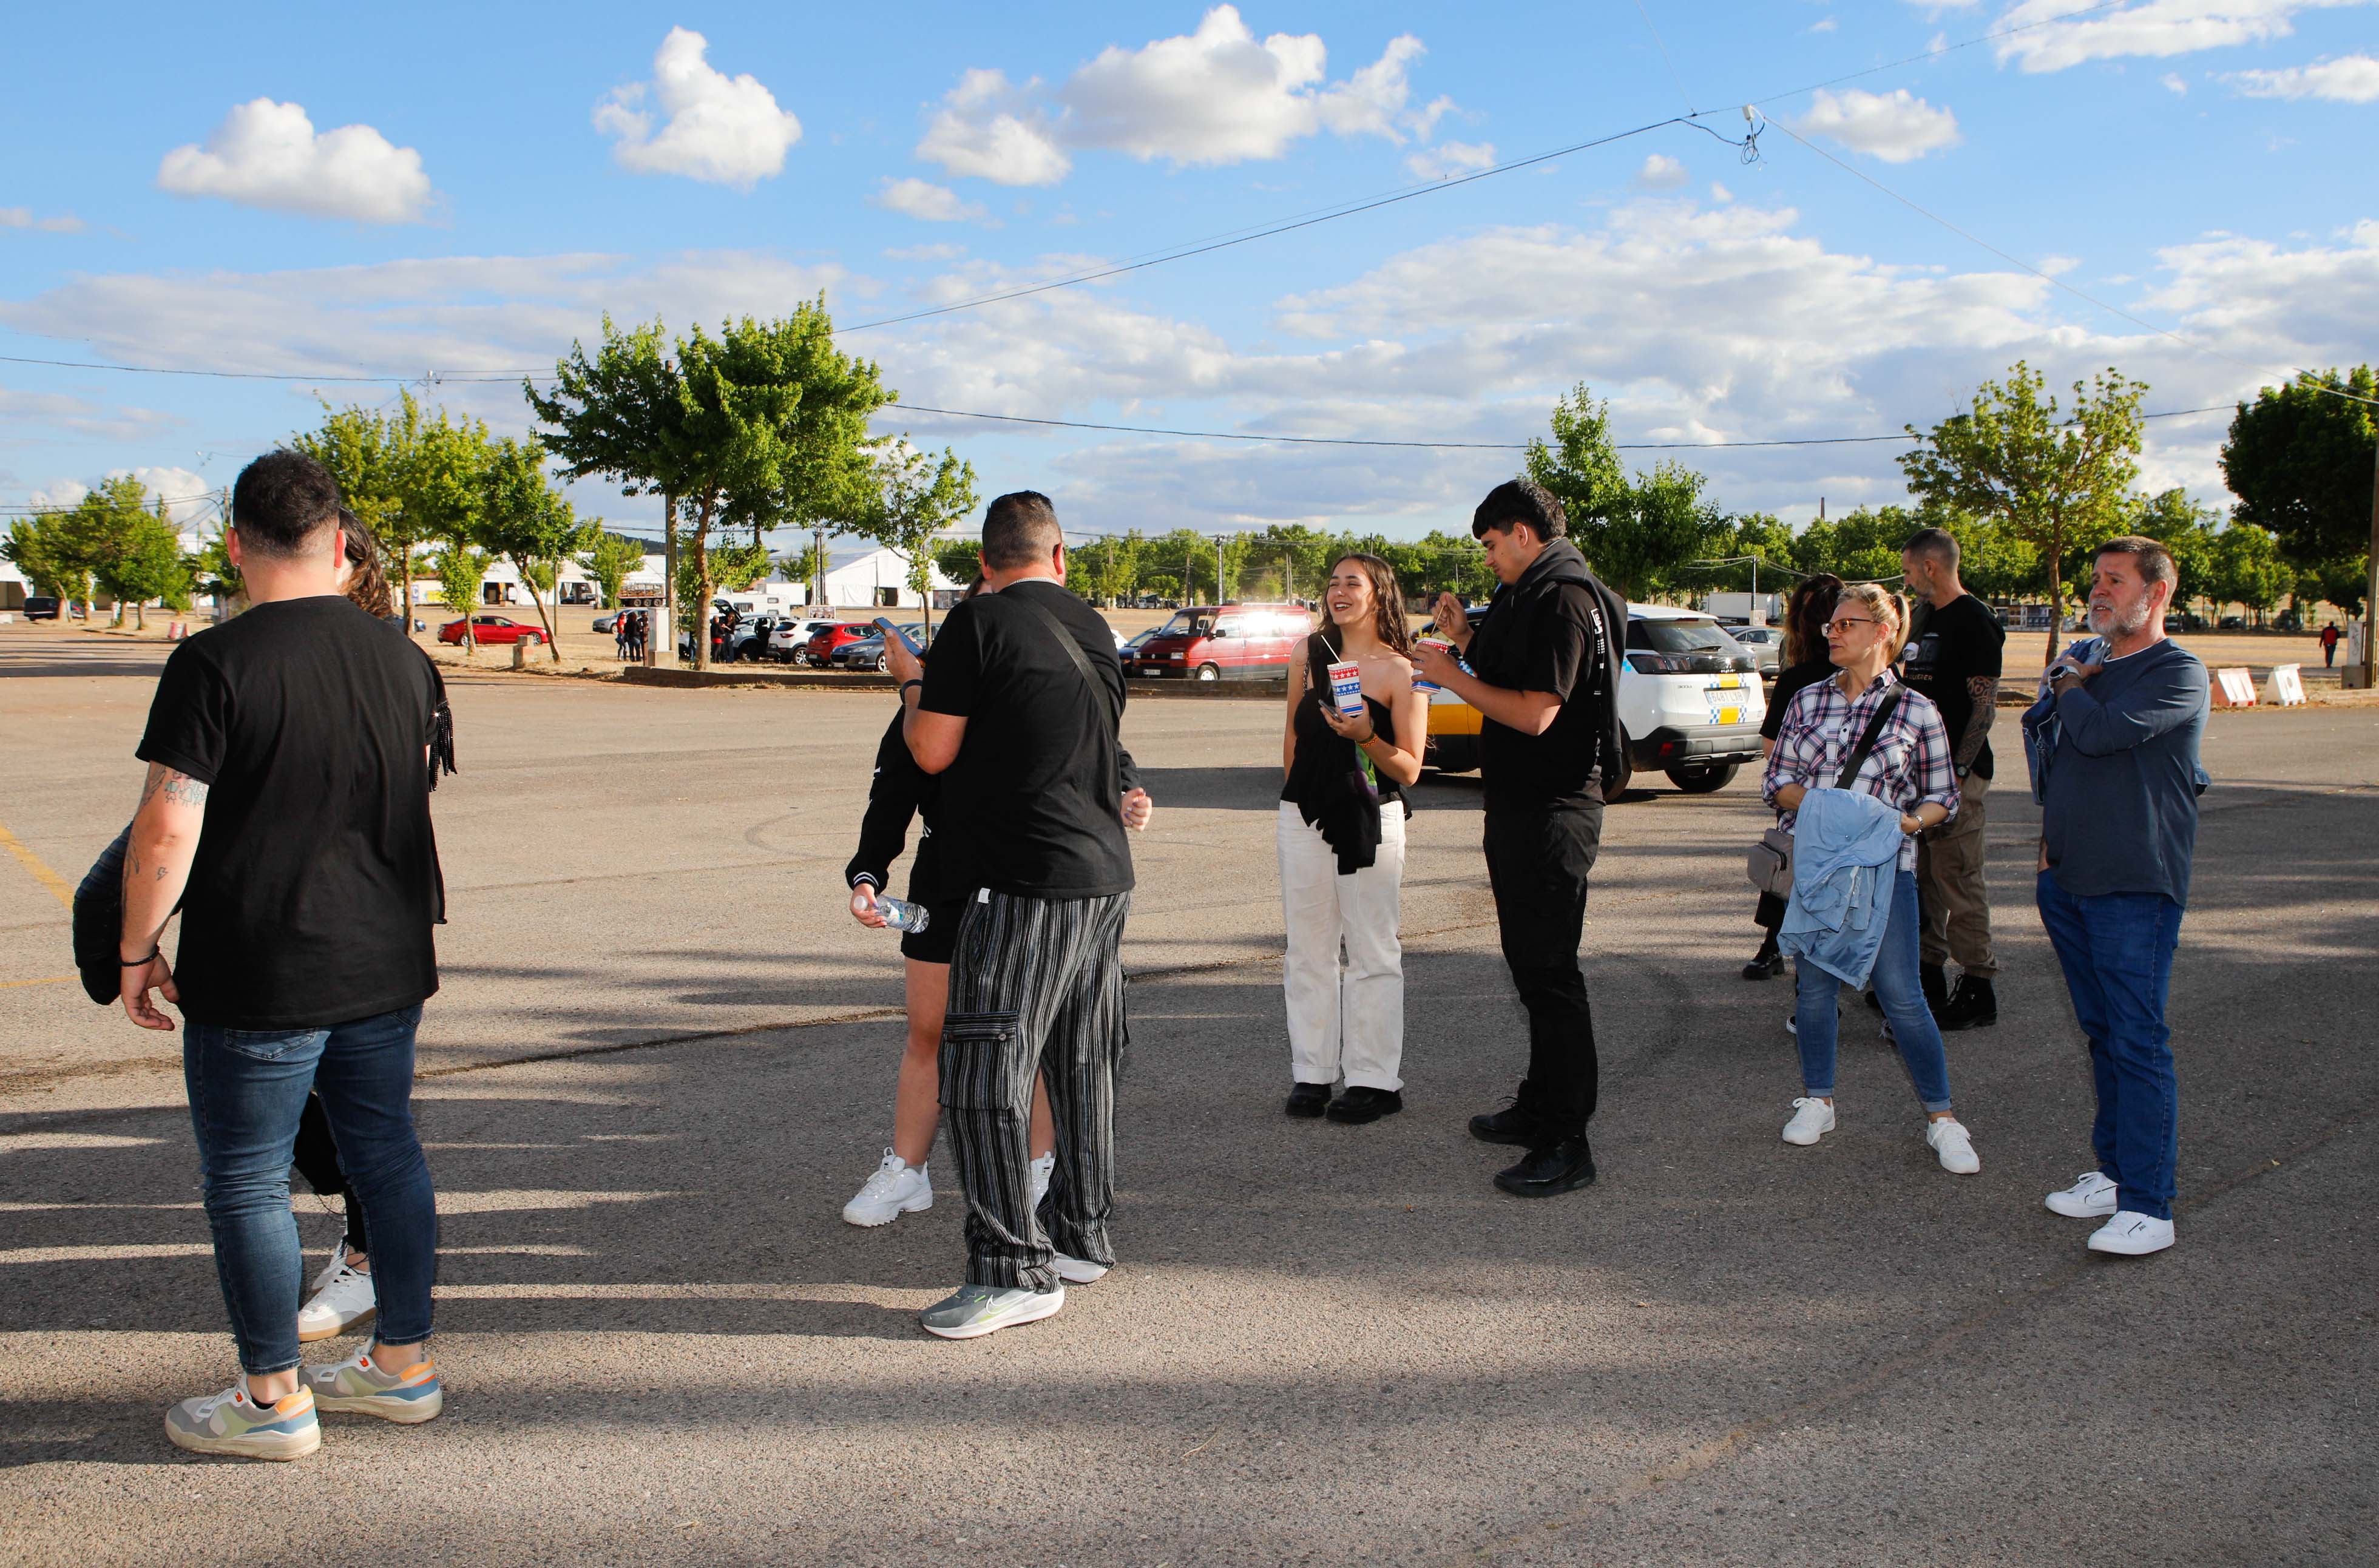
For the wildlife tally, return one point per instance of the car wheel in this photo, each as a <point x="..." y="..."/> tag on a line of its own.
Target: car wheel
<point x="1703" y="780"/>
<point x="1210" y="673"/>
<point x="1614" y="787"/>
<point x="882" y="664"/>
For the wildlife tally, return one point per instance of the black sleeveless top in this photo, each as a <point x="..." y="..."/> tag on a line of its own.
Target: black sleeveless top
<point x="1328" y="782"/>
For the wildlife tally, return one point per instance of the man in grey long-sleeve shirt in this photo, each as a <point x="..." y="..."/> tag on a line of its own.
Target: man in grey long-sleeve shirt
<point x="2118" y="827"/>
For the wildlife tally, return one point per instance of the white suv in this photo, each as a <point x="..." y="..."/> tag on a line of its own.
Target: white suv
<point x="1690" y="702"/>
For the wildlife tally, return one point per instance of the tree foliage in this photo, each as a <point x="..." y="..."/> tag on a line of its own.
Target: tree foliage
<point x="520" y="517"/>
<point x="2050" y="479"/>
<point x="609" y="559"/>
<point x="1639" y="534"/>
<point x="2300" y="461"/>
<point x="460" y="569"/>
<point x="915" y="499"/>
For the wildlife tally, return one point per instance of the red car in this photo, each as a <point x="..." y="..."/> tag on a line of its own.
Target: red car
<point x="490" y="630"/>
<point x="1229" y="642"/>
<point x="842" y="633"/>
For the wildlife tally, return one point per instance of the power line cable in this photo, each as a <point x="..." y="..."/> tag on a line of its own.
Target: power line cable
<point x="1665" y="57"/>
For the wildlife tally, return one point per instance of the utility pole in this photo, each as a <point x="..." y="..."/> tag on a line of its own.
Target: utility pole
<point x="661" y="649"/>
<point x="2371" y="586"/>
<point x="818" y="563"/>
<point x="1221" y="594"/>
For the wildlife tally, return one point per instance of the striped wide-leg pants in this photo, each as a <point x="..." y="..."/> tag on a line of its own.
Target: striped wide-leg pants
<point x="1034" y="982"/>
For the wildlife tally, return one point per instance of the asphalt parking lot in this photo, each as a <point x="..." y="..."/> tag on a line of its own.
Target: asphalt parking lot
<point x="663" y="1058"/>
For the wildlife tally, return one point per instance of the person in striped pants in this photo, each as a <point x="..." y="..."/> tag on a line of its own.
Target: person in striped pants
<point x="1021" y="710"/>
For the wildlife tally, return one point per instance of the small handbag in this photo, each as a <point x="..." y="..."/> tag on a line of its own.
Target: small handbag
<point x="1768" y="864"/>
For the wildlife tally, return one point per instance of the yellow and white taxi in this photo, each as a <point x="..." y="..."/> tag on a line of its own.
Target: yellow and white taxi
<point x="1690" y="702"/>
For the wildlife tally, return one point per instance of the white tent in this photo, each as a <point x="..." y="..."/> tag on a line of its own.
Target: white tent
<point x="878" y="578"/>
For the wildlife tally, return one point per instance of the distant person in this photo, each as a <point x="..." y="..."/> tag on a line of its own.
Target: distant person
<point x="2329" y="639"/>
<point x="2114" y="746"/>
<point x="1547" y="679"/>
<point x="623" y="634"/>
<point x="1342" y="849"/>
<point x="1021" y="708"/>
<point x="1955" y="659"/>
<point x="1807" y="662"/>
<point x="1894" y="736"/>
<point x="287" y="811"/>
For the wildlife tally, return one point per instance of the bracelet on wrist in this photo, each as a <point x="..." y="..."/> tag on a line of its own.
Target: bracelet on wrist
<point x="906" y="684"/>
<point x="137" y="963"/>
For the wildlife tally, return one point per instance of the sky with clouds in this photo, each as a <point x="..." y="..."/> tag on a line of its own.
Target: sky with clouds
<point x="465" y="191"/>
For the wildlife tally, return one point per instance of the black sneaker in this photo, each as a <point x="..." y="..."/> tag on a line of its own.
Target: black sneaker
<point x="1935" y="981"/>
<point x="1308" y="1100"/>
<point x="1561" y="1167"/>
<point x="1511" y="1125"/>
<point x="1972" y="1006"/>
<point x="1365" y="1103"/>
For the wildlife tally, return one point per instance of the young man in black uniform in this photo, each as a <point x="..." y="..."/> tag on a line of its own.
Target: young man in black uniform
<point x="1545" y="678"/>
<point x="1954" y="659"/>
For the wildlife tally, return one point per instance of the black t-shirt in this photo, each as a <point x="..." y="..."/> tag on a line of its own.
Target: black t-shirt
<point x="1029" y="808"/>
<point x="1541" y="637"/>
<point x="1955" y="642"/>
<point x="316" y="881"/>
<point x="1790" y="684"/>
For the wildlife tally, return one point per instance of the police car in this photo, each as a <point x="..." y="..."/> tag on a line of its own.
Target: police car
<point x="1690" y="702"/>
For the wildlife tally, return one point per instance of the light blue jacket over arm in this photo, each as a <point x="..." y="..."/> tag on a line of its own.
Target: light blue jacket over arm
<point x="1845" y="857"/>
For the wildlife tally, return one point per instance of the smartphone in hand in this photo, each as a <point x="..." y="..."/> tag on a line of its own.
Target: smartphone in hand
<point x="885" y="626"/>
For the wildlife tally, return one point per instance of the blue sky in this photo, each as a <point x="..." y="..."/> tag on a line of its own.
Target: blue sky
<point x="465" y="191"/>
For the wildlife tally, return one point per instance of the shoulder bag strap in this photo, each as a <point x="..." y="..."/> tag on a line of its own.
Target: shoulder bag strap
<point x="1867" y="741"/>
<point x="1092" y="687"/>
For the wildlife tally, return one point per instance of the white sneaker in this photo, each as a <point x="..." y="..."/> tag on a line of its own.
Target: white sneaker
<point x="2090" y="1197"/>
<point x="1812" y="1119"/>
<point x="897" y="1187"/>
<point x="1793" y="1026"/>
<point x="2131" y="1234"/>
<point x="343" y="1297"/>
<point x="1042" y="1167"/>
<point x="1077" y="1271"/>
<point x="1954" y="1144"/>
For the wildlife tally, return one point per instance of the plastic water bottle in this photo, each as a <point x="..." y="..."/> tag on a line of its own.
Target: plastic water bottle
<point x="900" y="914"/>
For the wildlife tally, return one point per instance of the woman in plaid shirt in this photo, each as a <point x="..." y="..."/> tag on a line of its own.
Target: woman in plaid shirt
<point x="1909" y="768"/>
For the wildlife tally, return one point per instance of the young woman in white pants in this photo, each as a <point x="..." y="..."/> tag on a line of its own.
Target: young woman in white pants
<point x="1342" y="849"/>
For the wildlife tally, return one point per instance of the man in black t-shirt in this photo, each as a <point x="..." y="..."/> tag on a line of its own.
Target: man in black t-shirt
<point x="286" y="812"/>
<point x="1545" y="674"/>
<point x="1020" y="711"/>
<point x="1954" y="659"/>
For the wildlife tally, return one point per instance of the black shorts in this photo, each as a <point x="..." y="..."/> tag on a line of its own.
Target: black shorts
<point x="940" y="938"/>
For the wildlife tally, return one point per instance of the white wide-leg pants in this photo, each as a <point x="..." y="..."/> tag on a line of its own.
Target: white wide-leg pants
<point x="1345" y="973"/>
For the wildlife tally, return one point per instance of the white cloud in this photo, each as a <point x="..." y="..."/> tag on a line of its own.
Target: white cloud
<point x="926" y="253"/>
<point x="22" y="413"/>
<point x="1660" y="172"/>
<point x="989" y="128"/>
<point x="1214" y="96"/>
<point x="2151" y="29"/>
<point x="727" y="131"/>
<point x="268" y="154"/>
<point x="2058" y="266"/>
<point x="922" y="199"/>
<point x="1451" y="157"/>
<point x="1720" y="194"/>
<point x="1895" y="127"/>
<point x="2351" y="79"/>
<point x="1825" y="24"/>
<point x="22" y="217"/>
<point x="2174" y="84"/>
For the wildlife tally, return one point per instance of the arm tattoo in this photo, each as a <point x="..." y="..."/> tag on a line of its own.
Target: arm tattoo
<point x="1985" y="690"/>
<point x="184" y="790"/>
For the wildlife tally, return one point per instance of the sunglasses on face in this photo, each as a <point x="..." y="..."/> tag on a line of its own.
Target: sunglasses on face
<point x="1845" y="623"/>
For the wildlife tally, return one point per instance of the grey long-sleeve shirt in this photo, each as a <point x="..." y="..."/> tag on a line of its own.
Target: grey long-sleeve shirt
<point x="2121" y="814"/>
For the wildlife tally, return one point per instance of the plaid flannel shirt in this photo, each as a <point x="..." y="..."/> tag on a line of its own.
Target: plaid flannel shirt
<point x="1911" y="761"/>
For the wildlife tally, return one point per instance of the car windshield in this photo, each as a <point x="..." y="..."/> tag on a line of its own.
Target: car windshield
<point x="1188" y="625"/>
<point x="1684" y="637"/>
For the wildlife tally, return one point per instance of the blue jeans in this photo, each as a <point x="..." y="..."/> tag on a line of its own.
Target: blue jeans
<point x="1896" y="986"/>
<point x="247" y="1089"/>
<point x="2117" y="950"/>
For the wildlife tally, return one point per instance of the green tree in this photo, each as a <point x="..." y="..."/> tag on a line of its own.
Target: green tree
<point x="522" y="518"/>
<point x="609" y="559"/>
<point x="2047" y="478"/>
<point x="1108" y="568"/>
<point x="213" y="572"/>
<point x="1639" y="534"/>
<point x="2341" y="582"/>
<point x="2300" y="461"/>
<point x="375" y="456"/>
<point x="38" y="548"/>
<point x="2191" y="533"/>
<point x="916" y="498"/>
<point x="2244" y="568"/>
<point x="958" y="559"/>
<point x="460" y="569"/>
<point x="145" y="561"/>
<point x="762" y="424"/>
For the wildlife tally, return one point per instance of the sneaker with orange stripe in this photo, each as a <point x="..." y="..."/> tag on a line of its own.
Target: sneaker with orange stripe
<point x="230" y="1422"/>
<point x="357" y="1383"/>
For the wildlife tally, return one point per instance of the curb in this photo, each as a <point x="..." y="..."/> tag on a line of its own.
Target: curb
<point x="793" y="680"/>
